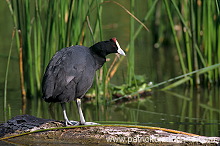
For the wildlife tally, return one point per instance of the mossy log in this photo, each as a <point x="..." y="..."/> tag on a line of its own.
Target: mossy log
<point x="26" y="129"/>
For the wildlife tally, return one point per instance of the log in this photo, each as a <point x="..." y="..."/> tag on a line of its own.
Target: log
<point x="46" y="131"/>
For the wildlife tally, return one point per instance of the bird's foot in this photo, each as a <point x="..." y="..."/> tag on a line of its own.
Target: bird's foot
<point x="76" y="123"/>
<point x="72" y="123"/>
<point x="89" y="123"/>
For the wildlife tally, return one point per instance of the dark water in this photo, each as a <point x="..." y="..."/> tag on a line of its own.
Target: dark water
<point x="180" y="109"/>
<point x="186" y="109"/>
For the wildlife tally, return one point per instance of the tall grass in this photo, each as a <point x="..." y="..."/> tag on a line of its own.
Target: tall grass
<point x="199" y="21"/>
<point x="131" y="54"/>
<point x="47" y="26"/>
<point x="6" y="78"/>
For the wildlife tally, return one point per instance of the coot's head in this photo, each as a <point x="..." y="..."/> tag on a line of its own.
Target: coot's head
<point x="107" y="47"/>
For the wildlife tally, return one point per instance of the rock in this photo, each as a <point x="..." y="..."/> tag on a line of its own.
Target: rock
<point x="93" y="135"/>
<point x="26" y="123"/>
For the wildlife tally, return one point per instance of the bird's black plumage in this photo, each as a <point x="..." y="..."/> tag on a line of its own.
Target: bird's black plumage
<point x="70" y="72"/>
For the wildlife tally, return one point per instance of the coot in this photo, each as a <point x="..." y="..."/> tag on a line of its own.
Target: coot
<point x="71" y="71"/>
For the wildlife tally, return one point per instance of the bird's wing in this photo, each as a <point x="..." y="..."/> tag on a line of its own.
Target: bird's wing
<point x="87" y="77"/>
<point x="63" y="72"/>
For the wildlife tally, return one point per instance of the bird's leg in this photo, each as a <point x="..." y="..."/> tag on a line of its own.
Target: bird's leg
<point x="67" y="121"/>
<point x="82" y="119"/>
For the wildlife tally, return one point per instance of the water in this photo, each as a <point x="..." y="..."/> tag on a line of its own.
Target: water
<point x="180" y="109"/>
<point x="185" y="109"/>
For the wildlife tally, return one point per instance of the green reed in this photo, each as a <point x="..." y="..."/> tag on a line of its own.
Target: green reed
<point x="195" y="46"/>
<point x="47" y="26"/>
<point x="6" y="80"/>
<point x="199" y="21"/>
<point x="131" y="54"/>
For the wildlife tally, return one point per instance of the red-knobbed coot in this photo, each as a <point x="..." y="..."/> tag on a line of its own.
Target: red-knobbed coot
<point x="70" y="73"/>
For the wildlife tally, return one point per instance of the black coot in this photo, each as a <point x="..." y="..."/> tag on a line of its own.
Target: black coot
<point x="70" y="73"/>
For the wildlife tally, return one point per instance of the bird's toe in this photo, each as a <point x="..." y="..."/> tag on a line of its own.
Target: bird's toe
<point x="90" y="123"/>
<point x="72" y="123"/>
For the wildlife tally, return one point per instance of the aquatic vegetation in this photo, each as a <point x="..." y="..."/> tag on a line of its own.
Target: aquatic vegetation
<point x="47" y="26"/>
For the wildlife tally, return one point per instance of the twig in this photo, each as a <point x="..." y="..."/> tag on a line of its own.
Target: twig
<point x="128" y="13"/>
<point x="23" y="91"/>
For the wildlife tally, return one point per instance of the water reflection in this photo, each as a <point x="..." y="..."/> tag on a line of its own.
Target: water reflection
<point x="186" y="110"/>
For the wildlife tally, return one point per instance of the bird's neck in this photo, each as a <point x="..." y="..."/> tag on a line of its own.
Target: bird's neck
<point x="99" y="60"/>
